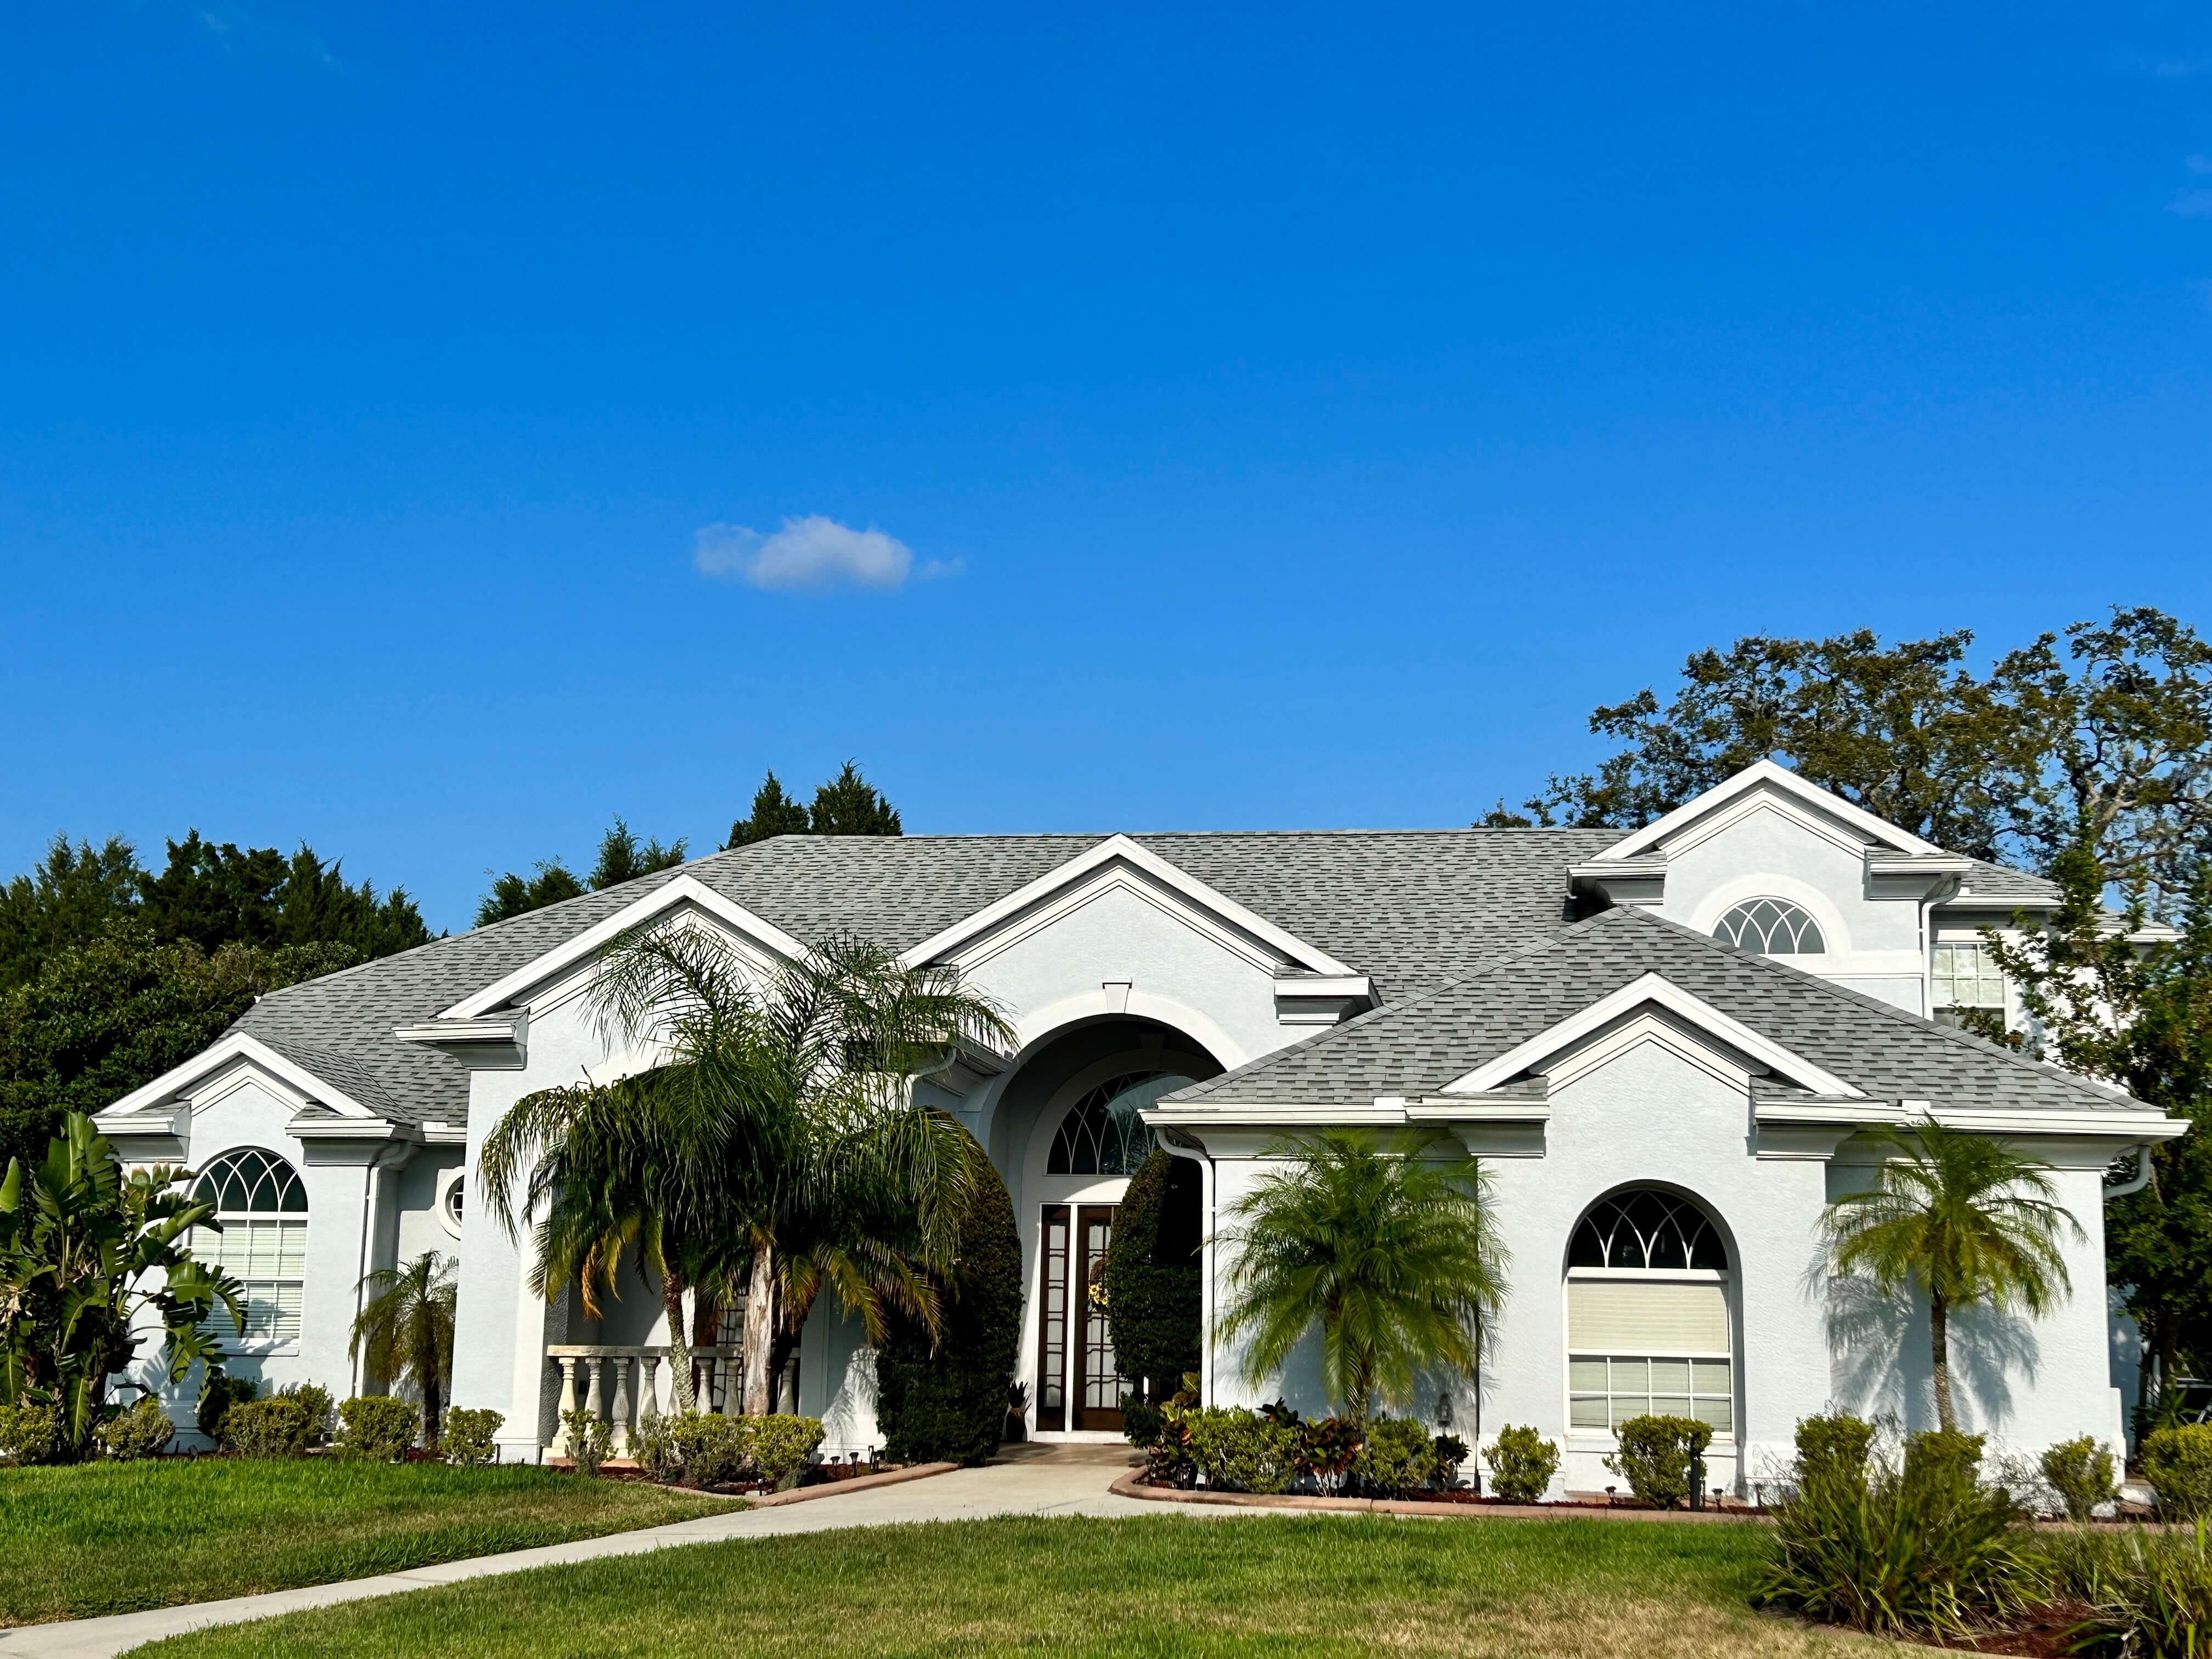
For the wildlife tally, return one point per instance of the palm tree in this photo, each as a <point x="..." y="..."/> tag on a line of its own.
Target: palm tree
<point x="782" y="1110"/>
<point x="1388" y="1245"/>
<point x="1962" y="1218"/>
<point x="406" y="1326"/>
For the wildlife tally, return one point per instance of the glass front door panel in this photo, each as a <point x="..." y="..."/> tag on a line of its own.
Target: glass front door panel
<point x="1052" y="1335"/>
<point x="1099" y="1385"/>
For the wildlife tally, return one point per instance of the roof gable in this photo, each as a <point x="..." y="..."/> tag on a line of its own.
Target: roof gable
<point x="1741" y="793"/>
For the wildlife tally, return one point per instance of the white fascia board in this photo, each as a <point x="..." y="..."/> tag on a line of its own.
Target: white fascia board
<point x="1458" y="1109"/>
<point x="1324" y="985"/>
<point x="1918" y="863"/>
<point x="2119" y="1125"/>
<point x="507" y="1028"/>
<point x="1837" y="1113"/>
<point x="1302" y="1117"/>
<point x="1121" y="848"/>
<point x="663" y="900"/>
<point x="238" y="1046"/>
<point x="1767" y="773"/>
<point x="1690" y="1010"/>
<point x="314" y="1127"/>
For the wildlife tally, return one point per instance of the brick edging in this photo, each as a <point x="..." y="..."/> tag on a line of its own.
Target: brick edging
<point x="862" y="1483"/>
<point x="1131" y="1485"/>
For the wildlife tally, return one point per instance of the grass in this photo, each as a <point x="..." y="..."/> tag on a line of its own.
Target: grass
<point x="116" y="1537"/>
<point x="1324" y="1585"/>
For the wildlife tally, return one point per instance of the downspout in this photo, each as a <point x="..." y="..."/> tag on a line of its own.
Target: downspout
<point x="1206" y="1189"/>
<point x="2135" y="1182"/>
<point x="372" y="1190"/>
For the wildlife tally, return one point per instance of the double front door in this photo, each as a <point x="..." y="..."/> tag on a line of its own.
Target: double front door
<point x="1077" y="1385"/>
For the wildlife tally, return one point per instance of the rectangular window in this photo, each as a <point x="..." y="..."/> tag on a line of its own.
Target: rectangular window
<point x="1646" y="1346"/>
<point x="1965" y="975"/>
<point x="270" y="1259"/>
<point x="1052" y="1343"/>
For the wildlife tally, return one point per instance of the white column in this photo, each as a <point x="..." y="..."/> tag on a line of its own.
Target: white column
<point x="568" y="1364"/>
<point x="648" y="1393"/>
<point x="620" y="1442"/>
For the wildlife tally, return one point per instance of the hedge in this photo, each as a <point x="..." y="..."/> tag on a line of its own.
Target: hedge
<point x="1152" y="1275"/>
<point x="950" y="1405"/>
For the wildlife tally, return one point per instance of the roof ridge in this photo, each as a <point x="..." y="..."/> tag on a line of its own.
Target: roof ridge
<point x="1950" y="1034"/>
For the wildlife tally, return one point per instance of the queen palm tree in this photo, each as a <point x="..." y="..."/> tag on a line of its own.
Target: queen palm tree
<point x="406" y="1329"/>
<point x="782" y="1108"/>
<point x="1388" y="1247"/>
<point x="1960" y="1219"/>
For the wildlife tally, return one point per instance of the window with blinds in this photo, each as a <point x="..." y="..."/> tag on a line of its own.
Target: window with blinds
<point x="262" y="1206"/>
<point x="1648" y="1318"/>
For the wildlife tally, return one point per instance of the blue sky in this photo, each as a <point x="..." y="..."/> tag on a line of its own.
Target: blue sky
<point x="1281" y="417"/>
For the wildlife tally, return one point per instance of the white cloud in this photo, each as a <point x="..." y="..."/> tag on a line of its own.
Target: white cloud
<point x="2192" y="205"/>
<point x="814" y="552"/>
<point x="2200" y="164"/>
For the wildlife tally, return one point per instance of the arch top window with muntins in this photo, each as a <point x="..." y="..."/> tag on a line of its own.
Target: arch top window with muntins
<point x="1646" y="1231"/>
<point x="1103" y="1132"/>
<point x="261" y="1208"/>
<point x="1771" y="926"/>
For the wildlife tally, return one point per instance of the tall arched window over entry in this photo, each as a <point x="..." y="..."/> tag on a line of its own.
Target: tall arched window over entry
<point x="1102" y="1133"/>
<point x="1647" y="1324"/>
<point x="263" y="1207"/>
<point x="1771" y="926"/>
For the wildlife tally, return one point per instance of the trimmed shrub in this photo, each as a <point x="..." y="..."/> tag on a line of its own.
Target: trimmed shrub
<point x="782" y="1444"/>
<point x="1141" y="1421"/>
<point x="2177" y="1463"/>
<point x="1451" y="1452"/>
<point x="654" y="1446"/>
<point x="1658" y="1457"/>
<point x="1522" y="1464"/>
<point x="315" y="1399"/>
<point x="713" y="1450"/>
<point x="277" y="1427"/>
<point x="2083" y="1473"/>
<point x="468" y="1438"/>
<point x="1328" y="1448"/>
<point x="948" y="1403"/>
<point x="1240" y="1450"/>
<point x="1398" y="1457"/>
<point x="1151" y="1275"/>
<point x="1927" y="1553"/>
<point x="589" y="1439"/>
<point x="144" y="1431"/>
<point x="30" y="1434"/>
<point x="1942" y="1458"/>
<point x="376" y="1426"/>
<point x="217" y="1395"/>
<point x="1837" y="1446"/>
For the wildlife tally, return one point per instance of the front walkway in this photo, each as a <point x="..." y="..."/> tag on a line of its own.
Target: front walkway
<point x="1031" y="1481"/>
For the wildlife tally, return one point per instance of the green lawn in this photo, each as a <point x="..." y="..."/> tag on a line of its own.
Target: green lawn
<point x="1327" y="1585"/>
<point x="115" y="1537"/>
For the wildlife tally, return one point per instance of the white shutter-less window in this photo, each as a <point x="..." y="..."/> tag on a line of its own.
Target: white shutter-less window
<point x="1610" y="1316"/>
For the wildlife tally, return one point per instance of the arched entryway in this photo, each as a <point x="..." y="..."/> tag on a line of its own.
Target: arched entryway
<point x="1068" y="1133"/>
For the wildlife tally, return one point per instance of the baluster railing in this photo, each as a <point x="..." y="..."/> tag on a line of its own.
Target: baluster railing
<point x="610" y="1399"/>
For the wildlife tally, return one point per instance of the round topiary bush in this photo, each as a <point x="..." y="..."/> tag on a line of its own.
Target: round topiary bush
<point x="950" y="1404"/>
<point x="1152" y="1275"/>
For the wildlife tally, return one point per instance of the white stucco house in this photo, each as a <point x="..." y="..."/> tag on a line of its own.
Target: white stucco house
<point x="1665" y="1046"/>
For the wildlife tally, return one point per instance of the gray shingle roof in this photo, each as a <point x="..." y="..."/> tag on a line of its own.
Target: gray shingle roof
<point x="1999" y="884"/>
<point x="1415" y="908"/>
<point x="1419" y="1046"/>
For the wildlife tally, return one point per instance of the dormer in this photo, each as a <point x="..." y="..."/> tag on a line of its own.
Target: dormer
<point x="1769" y="862"/>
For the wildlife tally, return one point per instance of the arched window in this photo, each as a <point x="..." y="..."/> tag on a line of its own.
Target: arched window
<point x="1773" y="927"/>
<point x="263" y="1207"/>
<point x="1647" y="1321"/>
<point x="1102" y="1134"/>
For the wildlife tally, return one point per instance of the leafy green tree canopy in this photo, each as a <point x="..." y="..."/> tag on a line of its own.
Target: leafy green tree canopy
<point x="104" y="1017"/>
<point x="2107" y="727"/>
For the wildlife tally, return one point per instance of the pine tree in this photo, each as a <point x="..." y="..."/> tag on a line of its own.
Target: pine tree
<point x="848" y="805"/>
<point x="774" y="814"/>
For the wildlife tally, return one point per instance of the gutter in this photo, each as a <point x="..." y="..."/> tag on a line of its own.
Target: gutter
<point x="2135" y="1182"/>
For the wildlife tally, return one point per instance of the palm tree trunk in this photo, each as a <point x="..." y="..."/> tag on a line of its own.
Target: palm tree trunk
<point x="679" y="1350"/>
<point x="760" y="1332"/>
<point x="431" y="1414"/>
<point x="1939" y="1344"/>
